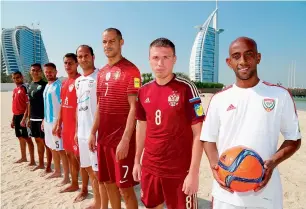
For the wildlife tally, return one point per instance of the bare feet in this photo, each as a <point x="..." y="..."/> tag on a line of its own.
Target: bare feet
<point x="38" y="167"/>
<point x="70" y="188"/>
<point x="48" y="170"/>
<point x="54" y="175"/>
<point x="81" y="196"/>
<point x="62" y="183"/>
<point x="93" y="205"/>
<point x="21" y="160"/>
<point x="32" y="163"/>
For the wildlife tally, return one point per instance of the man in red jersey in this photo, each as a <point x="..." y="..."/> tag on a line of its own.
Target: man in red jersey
<point x="170" y="116"/>
<point x="66" y="126"/>
<point x="117" y="87"/>
<point x="20" y="112"/>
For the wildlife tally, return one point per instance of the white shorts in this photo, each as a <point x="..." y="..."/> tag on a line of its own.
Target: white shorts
<point x="217" y="204"/>
<point x="53" y="142"/>
<point x="87" y="157"/>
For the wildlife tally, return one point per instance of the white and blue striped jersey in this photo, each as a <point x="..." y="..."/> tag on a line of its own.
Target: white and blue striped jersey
<point x="52" y="101"/>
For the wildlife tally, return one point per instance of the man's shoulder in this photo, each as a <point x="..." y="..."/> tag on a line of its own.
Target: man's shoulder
<point x="129" y="66"/>
<point x="185" y="83"/>
<point x="147" y="85"/>
<point x="275" y="88"/>
<point x="223" y="94"/>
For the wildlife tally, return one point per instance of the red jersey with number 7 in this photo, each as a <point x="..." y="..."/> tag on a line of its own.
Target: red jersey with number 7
<point x="169" y="110"/>
<point x="114" y="84"/>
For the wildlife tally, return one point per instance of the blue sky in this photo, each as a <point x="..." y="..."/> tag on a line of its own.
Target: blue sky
<point x="278" y="27"/>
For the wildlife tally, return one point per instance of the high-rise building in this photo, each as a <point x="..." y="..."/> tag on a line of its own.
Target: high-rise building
<point x="21" y="47"/>
<point x="204" y="59"/>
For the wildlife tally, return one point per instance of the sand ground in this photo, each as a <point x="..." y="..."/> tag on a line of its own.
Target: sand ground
<point x="24" y="189"/>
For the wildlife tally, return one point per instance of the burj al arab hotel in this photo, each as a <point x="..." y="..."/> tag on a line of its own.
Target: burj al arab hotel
<point x="204" y="59"/>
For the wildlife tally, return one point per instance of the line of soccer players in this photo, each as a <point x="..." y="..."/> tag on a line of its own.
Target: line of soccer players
<point x="89" y="123"/>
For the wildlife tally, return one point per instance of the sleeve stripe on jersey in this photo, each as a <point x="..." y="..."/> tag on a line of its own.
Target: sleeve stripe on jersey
<point x="193" y="88"/>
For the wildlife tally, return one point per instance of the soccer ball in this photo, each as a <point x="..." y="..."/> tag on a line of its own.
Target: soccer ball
<point x="241" y="169"/>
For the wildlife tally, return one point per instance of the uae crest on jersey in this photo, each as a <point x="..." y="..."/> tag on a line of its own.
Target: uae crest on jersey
<point x="173" y="99"/>
<point x="268" y="104"/>
<point x="71" y="87"/>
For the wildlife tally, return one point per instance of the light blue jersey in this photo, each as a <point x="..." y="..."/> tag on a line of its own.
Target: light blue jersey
<point x="52" y="101"/>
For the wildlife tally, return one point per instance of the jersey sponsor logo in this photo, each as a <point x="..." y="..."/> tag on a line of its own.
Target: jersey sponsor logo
<point x="83" y="108"/>
<point x="231" y="107"/>
<point x="117" y="75"/>
<point x="147" y="100"/>
<point x="136" y="82"/>
<point x="71" y="86"/>
<point x="268" y="104"/>
<point x="198" y="109"/>
<point x="173" y="99"/>
<point x="84" y="97"/>
<point x="107" y="76"/>
<point x="66" y="101"/>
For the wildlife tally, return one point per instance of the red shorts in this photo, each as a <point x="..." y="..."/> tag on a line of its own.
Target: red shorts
<point x="156" y="190"/>
<point x="112" y="171"/>
<point x="68" y="141"/>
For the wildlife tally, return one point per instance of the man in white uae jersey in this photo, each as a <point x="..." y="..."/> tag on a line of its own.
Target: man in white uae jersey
<point x="86" y="90"/>
<point x="250" y="113"/>
<point x="52" y="103"/>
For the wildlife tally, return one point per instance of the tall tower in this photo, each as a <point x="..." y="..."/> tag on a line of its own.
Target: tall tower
<point x="204" y="59"/>
<point x="21" y="47"/>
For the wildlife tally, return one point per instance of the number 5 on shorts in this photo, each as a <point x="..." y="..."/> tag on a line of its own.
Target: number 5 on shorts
<point x="57" y="144"/>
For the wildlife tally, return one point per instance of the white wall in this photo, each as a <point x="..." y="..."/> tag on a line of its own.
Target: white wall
<point x="7" y="86"/>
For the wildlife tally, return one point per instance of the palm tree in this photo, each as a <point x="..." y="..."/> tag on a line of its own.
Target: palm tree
<point x="146" y="77"/>
<point x="183" y="75"/>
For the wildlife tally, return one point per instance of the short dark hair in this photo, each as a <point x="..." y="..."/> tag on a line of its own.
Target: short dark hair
<point x="88" y="47"/>
<point x="163" y="42"/>
<point x="72" y="56"/>
<point x="118" y="32"/>
<point x="36" y="65"/>
<point x="17" y="73"/>
<point x="50" y="64"/>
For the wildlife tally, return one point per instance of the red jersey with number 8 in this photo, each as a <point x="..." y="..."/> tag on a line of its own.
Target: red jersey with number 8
<point x="170" y="111"/>
<point x="114" y="84"/>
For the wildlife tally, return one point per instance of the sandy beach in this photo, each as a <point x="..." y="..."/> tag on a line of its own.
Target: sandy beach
<point x="24" y="189"/>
